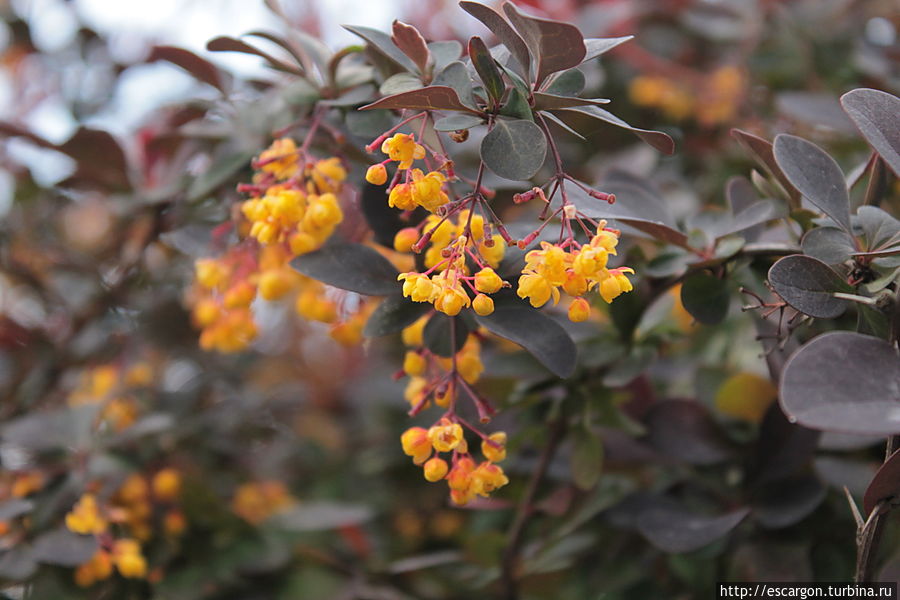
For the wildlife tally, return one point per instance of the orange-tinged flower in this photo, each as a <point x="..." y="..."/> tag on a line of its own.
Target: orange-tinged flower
<point x="495" y="453"/>
<point x="579" y="310"/>
<point x="435" y="469"/>
<point x="483" y="305"/>
<point x="376" y="174"/>
<point x="403" y="148"/>
<point x="445" y="436"/>
<point x="416" y="443"/>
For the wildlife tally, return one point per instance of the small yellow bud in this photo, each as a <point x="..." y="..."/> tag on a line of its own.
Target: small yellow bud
<point x="405" y="238"/>
<point x="492" y="453"/>
<point x="579" y="310"/>
<point x="435" y="469"/>
<point x="167" y="485"/>
<point x="414" y="363"/>
<point x="483" y="305"/>
<point x="376" y="174"/>
<point x="487" y="281"/>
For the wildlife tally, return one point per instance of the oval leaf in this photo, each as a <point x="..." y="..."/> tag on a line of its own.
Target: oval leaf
<point x="514" y="149"/>
<point x="684" y="429"/>
<point x="844" y="382"/>
<point x="64" y="548"/>
<point x="705" y="297"/>
<point x="829" y="244"/>
<point x="676" y="530"/>
<point x="540" y="335"/>
<point x="815" y="175"/>
<point x="351" y="267"/>
<point x="885" y="485"/>
<point x="875" y="115"/>
<point x="394" y="314"/>
<point x="499" y="26"/>
<point x="457" y="122"/>
<point x="438" y="334"/>
<point x="554" y="45"/>
<point x="433" y="97"/>
<point x="808" y="285"/>
<point x="657" y="139"/>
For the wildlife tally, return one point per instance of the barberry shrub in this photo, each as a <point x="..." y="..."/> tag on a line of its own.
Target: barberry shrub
<point x="565" y="333"/>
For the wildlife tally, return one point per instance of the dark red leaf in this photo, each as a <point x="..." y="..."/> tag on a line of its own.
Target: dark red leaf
<point x="435" y="97"/>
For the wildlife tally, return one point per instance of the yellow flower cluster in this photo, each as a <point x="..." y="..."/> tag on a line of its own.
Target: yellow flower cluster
<point x="403" y="149"/>
<point x="712" y="103"/>
<point x="256" y="501"/>
<point x="293" y="210"/>
<point x="111" y="386"/>
<point x="417" y="188"/>
<point x="132" y="508"/>
<point x="576" y="271"/>
<point x="464" y="478"/>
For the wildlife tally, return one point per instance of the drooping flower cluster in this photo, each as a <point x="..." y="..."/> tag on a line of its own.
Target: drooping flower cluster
<point x="256" y="501"/>
<point x="112" y="387"/>
<point x="576" y="269"/>
<point x="126" y="520"/>
<point x="293" y="210"/>
<point x="465" y="479"/>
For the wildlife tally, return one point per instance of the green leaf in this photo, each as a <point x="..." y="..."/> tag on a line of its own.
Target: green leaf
<point x="874" y="113"/>
<point x="567" y="83"/>
<point x="586" y="461"/>
<point x="517" y="106"/>
<point x="500" y="27"/>
<point x="444" y="53"/>
<point x="350" y="266"/>
<point x="808" y="285"/>
<point x="554" y="45"/>
<point x="514" y="149"/>
<point x="815" y="175"/>
<point x="383" y="44"/>
<point x="433" y="97"/>
<point x="537" y="333"/>
<point x="657" y="139"/>
<point x="706" y="298"/>
<point x="457" y="122"/>
<point x="487" y="69"/>
<point x="437" y="334"/>
<point x="394" y="314"/>
<point x="399" y="83"/>
<point x="455" y="75"/>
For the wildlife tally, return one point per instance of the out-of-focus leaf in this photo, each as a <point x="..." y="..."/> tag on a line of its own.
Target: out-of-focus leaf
<point x="746" y="396"/>
<point x="885" y="485"/>
<point x="352" y="97"/>
<point x="64" y="548"/>
<point x="408" y="39"/>
<point x="844" y="382"/>
<point x="393" y="314"/>
<point x="383" y="44"/>
<point x="540" y="335"/>
<point x="442" y="331"/>
<point x="555" y="46"/>
<point x="514" y="149"/>
<point x="351" y="267"/>
<point x="230" y="44"/>
<point x="60" y="428"/>
<point x="597" y="46"/>
<point x="875" y="115"/>
<point x="676" y="530"/>
<point x="549" y="101"/>
<point x="586" y="461"/>
<point x="433" y="97"/>
<point x="657" y="139"/>
<point x="567" y="83"/>
<point x="880" y="229"/>
<point x="15" y="507"/>
<point x="457" y="122"/>
<point x="199" y="67"/>
<point x="321" y="516"/>
<point x="500" y="27"/>
<point x="218" y="173"/>
<point x="486" y="68"/>
<point x="809" y="285"/>
<point x="830" y="245"/>
<point x="684" y="429"/>
<point x="99" y="157"/>
<point x="784" y="502"/>
<point x="815" y="175"/>
<point x="755" y="214"/>
<point x="706" y="298"/>
<point x="17" y="563"/>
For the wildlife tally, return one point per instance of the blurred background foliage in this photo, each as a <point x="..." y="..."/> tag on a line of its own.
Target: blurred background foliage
<point x="291" y="479"/>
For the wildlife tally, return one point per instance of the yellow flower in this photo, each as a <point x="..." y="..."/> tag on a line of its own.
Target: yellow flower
<point x="414" y="363"/>
<point x="128" y="558"/>
<point x="282" y="159"/>
<point x="416" y="443"/>
<point x="426" y="190"/>
<point x="98" y="568"/>
<point x="405" y="238"/>
<point x="210" y="273"/>
<point x="413" y="334"/>
<point x="416" y="286"/>
<point x="445" y="436"/>
<point x="401" y="197"/>
<point x="403" y="148"/>
<point x="495" y="453"/>
<point x="167" y="485"/>
<point x="85" y="516"/>
<point x="536" y="288"/>
<point x="487" y="477"/>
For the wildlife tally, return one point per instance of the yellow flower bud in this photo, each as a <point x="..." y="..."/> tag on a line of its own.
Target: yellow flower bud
<point x="435" y="469"/>
<point x="376" y="174"/>
<point x="405" y="238"/>
<point x="414" y="363"/>
<point x="579" y="310"/>
<point x="487" y="281"/>
<point x="167" y="485"/>
<point x="483" y="305"/>
<point x="492" y="453"/>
